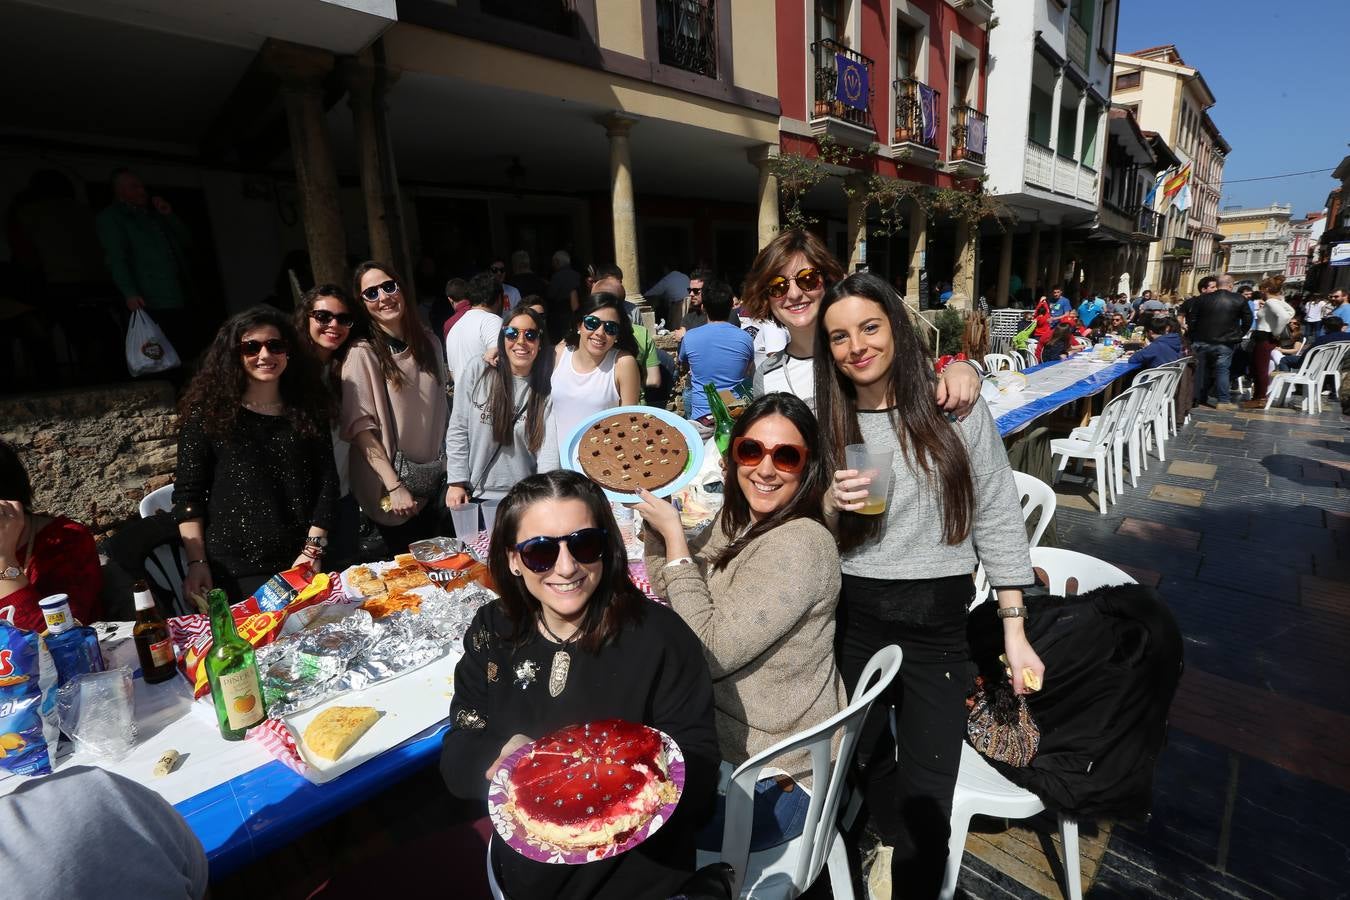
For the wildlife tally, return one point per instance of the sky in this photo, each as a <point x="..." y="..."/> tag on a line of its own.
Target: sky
<point x="1278" y="79"/>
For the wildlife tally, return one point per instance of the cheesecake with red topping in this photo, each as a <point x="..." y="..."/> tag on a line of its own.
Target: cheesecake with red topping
<point x="589" y="786"/>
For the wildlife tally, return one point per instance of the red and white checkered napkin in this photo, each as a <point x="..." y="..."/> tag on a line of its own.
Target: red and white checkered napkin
<point x="637" y="569"/>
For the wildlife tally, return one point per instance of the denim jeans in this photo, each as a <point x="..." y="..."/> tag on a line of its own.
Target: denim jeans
<point x="779" y="815"/>
<point x="1220" y="358"/>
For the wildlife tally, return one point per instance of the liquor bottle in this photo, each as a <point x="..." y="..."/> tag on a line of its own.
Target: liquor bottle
<point x="722" y="434"/>
<point x="151" y="634"/>
<point x="74" y="647"/>
<point x="232" y="670"/>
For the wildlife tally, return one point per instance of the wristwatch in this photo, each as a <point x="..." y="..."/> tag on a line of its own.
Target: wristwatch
<point x="13" y="573"/>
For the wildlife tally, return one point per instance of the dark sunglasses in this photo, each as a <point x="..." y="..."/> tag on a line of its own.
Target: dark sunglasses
<point x="372" y="293"/>
<point x="540" y="554"/>
<point x="275" y="346"/>
<point x="695" y="291"/>
<point x="593" y="322"/>
<point x="496" y="268"/>
<point x="747" y="451"/>
<point x="512" y="333"/>
<point x="806" y="280"/>
<point x="323" y="317"/>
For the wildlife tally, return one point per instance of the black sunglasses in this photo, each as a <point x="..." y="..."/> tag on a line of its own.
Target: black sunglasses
<point x="512" y="333"/>
<point x="275" y="346"/>
<point x="323" y="317"/>
<point x="593" y="322"/>
<point x="695" y="291"/>
<point x="372" y="293"/>
<point x="540" y="554"/>
<point x="746" y="451"/>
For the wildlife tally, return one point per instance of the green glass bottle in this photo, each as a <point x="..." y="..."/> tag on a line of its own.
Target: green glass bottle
<point x="232" y="670"/>
<point x="722" y="435"/>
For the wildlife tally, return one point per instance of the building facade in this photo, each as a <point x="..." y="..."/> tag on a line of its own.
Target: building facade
<point x="1050" y="84"/>
<point x="1256" y="241"/>
<point x="1171" y="98"/>
<point x="1329" y="268"/>
<point x="1126" y="227"/>
<point x="1302" y="240"/>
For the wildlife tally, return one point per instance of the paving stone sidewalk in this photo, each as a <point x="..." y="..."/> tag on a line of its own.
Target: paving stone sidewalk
<point x="1245" y="531"/>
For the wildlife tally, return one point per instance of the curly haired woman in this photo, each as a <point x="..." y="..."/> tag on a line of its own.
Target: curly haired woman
<point x="256" y="484"/>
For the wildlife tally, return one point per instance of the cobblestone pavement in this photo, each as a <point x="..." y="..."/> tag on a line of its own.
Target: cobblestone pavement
<point x="1245" y="531"/>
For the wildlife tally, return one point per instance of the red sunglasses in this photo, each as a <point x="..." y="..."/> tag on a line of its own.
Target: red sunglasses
<point x="746" y="451"/>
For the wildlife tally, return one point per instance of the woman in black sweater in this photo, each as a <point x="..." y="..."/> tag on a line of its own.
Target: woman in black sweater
<point x="255" y="488"/>
<point x="630" y="659"/>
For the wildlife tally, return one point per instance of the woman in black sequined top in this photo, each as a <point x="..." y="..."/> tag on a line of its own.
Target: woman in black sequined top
<point x="255" y="485"/>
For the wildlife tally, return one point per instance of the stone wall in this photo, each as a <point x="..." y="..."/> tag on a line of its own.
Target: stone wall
<point x="93" y="453"/>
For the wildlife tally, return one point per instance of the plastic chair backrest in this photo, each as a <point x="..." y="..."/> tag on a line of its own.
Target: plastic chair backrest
<point x="1067" y="572"/>
<point x="1036" y="497"/>
<point x="1161" y="384"/>
<point x="999" y="362"/>
<point x="166" y="565"/>
<point x="818" y="833"/>
<point x="1108" y="422"/>
<point x="1320" y="359"/>
<point x="158" y="500"/>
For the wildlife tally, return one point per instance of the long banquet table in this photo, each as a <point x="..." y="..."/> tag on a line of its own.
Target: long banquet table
<point x="1054" y="385"/>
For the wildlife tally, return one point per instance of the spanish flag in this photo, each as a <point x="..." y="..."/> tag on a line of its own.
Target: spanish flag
<point x="1173" y="185"/>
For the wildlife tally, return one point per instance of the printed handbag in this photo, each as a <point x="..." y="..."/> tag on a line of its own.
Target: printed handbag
<point x="420" y="478"/>
<point x="999" y="724"/>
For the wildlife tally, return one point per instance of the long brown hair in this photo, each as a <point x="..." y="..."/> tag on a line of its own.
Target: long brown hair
<point x="616" y="601"/>
<point x="776" y="254"/>
<point x="420" y="341"/>
<point x="927" y="440"/>
<point x="501" y="388"/>
<point x="360" y="324"/>
<point x="805" y="504"/>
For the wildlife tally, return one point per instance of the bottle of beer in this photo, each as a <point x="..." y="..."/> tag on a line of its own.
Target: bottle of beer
<point x="151" y="634"/>
<point x="722" y="434"/>
<point x="232" y="670"/>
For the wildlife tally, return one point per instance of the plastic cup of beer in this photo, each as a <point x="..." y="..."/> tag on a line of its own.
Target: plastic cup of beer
<point x="876" y="465"/>
<point x="465" y="519"/>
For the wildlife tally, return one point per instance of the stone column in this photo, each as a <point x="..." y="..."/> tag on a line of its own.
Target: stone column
<point x="918" y="243"/>
<point x="1005" y="251"/>
<point x="622" y="202"/>
<point x="1032" y="278"/>
<point x="1078" y="128"/>
<point x="359" y="74"/>
<point x="856" y="224"/>
<point x="762" y="158"/>
<point x="1056" y="274"/>
<point x="963" y="278"/>
<point x="302" y="70"/>
<point x="1057" y="98"/>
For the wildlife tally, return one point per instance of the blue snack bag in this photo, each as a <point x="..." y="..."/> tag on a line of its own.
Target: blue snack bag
<point x="28" y="727"/>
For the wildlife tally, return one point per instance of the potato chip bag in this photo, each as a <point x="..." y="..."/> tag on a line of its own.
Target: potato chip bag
<point x="28" y="727"/>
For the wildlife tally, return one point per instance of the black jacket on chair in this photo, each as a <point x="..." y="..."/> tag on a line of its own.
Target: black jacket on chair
<point x="1219" y="317"/>
<point x="1113" y="659"/>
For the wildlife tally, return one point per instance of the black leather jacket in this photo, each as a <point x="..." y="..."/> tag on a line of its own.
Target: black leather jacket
<point x="1220" y="317"/>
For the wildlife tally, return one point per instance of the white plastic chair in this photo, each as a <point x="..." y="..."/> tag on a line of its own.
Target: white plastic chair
<point x="1317" y="363"/>
<point x="980" y="789"/>
<point x="1126" y="434"/>
<point x="1178" y="366"/>
<point x="999" y="362"/>
<point x="166" y="567"/>
<point x="787" y="870"/>
<point x="1034" y="496"/>
<point x="1159" y="409"/>
<point x="1096" y="447"/>
<point x="1333" y="370"/>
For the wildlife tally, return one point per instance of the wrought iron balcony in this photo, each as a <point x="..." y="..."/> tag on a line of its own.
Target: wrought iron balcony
<point x="970" y="135"/>
<point x="848" y="99"/>
<point x="1147" y="222"/>
<point x="686" y="32"/>
<point x="917" y="113"/>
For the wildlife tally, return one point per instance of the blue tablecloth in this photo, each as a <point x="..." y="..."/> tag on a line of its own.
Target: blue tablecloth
<point x="1015" y="420"/>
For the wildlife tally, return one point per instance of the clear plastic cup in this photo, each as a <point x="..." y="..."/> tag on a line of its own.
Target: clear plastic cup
<point x="465" y="520"/>
<point x="876" y="465"/>
<point x="490" y="514"/>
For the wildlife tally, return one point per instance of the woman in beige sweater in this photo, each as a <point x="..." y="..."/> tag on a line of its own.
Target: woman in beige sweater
<point x="759" y="586"/>
<point x="393" y="400"/>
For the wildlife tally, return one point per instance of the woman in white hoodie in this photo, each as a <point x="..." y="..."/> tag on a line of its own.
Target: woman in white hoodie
<point x="1270" y="324"/>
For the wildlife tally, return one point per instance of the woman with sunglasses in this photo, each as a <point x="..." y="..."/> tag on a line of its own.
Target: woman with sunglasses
<point x="952" y="505"/>
<point x="759" y="586"/>
<point x="501" y="429"/>
<point x="255" y="485"/>
<point x="787" y="280"/>
<point x="394" y="410"/>
<point x="572" y="640"/>
<point x="329" y="322"/>
<point x="595" y="366"/>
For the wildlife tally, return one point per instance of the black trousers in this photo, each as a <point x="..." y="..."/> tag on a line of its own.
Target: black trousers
<point x="910" y="804"/>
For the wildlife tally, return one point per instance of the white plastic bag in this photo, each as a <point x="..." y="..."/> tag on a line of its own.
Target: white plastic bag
<point x="148" y="350"/>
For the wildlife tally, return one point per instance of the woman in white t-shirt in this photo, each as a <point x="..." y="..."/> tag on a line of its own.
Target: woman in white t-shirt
<point x="595" y="366"/>
<point x="787" y="280"/>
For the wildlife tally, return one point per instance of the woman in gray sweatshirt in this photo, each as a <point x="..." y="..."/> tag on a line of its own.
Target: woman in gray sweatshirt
<point x="907" y="569"/>
<point x="501" y="429"/>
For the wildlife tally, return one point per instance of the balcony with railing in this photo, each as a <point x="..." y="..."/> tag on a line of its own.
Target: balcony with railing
<point x="917" y="119"/>
<point x="1051" y="171"/>
<point x="686" y="33"/>
<point x="970" y="134"/>
<point x="1147" y="224"/>
<point x="1076" y="43"/>
<point x="841" y="106"/>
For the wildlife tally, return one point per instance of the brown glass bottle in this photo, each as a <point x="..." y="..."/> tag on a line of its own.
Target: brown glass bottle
<point x="151" y="633"/>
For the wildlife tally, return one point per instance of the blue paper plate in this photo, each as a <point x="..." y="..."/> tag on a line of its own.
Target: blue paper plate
<point x="693" y="462"/>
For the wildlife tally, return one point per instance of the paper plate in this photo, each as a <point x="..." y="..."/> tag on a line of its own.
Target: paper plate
<point x="693" y="462"/>
<point x="531" y="847"/>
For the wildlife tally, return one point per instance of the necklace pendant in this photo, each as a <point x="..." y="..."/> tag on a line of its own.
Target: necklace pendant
<point x="557" y="673"/>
